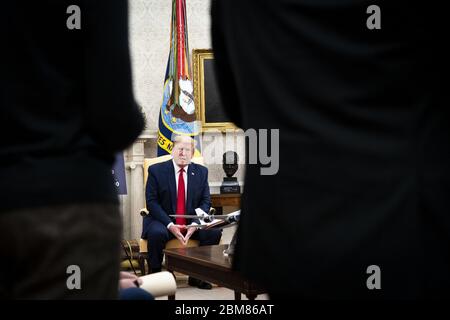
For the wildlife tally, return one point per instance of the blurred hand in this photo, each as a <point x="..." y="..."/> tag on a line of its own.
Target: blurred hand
<point x="128" y="280"/>
<point x="127" y="275"/>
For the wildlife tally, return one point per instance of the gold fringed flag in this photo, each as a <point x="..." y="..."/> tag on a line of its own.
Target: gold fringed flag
<point x="177" y="114"/>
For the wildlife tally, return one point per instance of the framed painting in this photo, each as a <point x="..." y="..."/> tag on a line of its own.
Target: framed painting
<point x="209" y="107"/>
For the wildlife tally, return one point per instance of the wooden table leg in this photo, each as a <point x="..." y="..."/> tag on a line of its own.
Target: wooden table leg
<point x="237" y="295"/>
<point x="172" y="297"/>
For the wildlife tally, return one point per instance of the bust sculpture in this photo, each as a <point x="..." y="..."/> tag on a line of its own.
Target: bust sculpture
<point x="230" y="165"/>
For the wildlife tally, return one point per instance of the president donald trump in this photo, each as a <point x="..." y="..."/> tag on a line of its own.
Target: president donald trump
<point x="177" y="186"/>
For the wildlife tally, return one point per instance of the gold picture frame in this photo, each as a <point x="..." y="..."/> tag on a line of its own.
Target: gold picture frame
<point x="206" y="95"/>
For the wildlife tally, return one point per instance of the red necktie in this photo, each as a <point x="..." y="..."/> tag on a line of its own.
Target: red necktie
<point x="181" y="199"/>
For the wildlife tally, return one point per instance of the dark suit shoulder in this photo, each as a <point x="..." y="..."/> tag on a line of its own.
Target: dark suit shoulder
<point x="198" y="167"/>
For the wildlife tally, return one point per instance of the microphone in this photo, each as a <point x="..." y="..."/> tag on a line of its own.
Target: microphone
<point x="206" y="217"/>
<point x="210" y="217"/>
<point x="233" y="218"/>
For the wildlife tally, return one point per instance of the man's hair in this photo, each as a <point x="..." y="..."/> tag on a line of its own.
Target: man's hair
<point x="176" y="138"/>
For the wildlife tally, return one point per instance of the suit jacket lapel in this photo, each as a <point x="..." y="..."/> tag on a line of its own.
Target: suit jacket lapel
<point x="172" y="185"/>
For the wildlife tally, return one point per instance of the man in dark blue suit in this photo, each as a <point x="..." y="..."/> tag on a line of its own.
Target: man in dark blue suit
<point x="178" y="187"/>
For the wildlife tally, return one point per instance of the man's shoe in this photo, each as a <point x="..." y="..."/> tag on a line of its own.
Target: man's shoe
<point x="193" y="282"/>
<point x="199" y="283"/>
<point x="205" y="285"/>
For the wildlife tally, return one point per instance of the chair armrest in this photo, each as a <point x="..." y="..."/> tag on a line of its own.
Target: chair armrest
<point x="143" y="246"/>
<point x="144" y="212"/>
